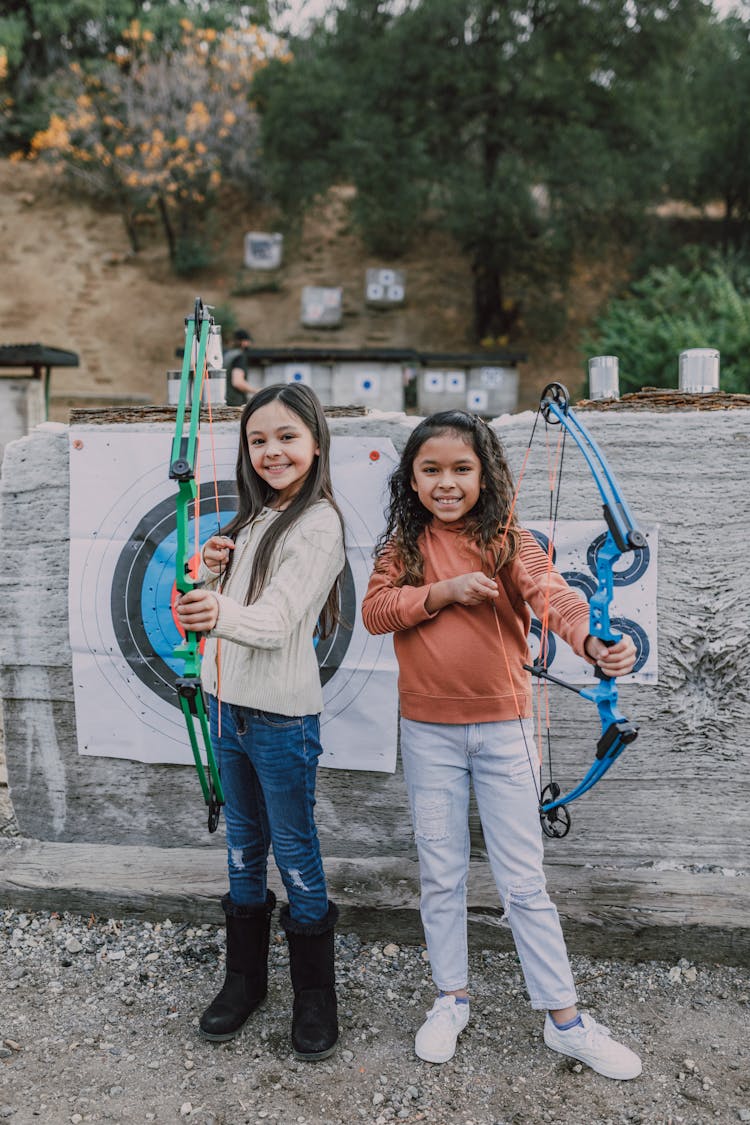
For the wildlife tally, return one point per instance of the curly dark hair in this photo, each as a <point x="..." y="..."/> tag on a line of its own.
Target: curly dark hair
<point x="491" y="523"/>
<point x="254" y="493"/>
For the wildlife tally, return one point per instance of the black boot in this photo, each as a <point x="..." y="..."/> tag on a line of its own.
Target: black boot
<point x="246" y="981"/>
<point x="315" y="1028"/>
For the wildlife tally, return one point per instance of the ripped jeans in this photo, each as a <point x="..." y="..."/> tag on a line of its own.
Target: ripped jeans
<point x="268" y="765"/>
<point x="441" y="761"/>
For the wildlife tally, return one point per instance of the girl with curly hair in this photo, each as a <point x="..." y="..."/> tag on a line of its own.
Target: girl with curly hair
<point x="454" y="576"/>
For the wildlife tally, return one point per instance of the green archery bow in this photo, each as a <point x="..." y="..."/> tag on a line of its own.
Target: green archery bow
<point x="182" y="469"/>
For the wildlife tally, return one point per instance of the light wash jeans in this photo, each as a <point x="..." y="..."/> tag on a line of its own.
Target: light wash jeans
<point x="268" y="765"/>
<point x="440" y="762"/>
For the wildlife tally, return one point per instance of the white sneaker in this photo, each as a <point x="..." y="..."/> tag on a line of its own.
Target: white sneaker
<point x="591" y="1044"/>
<point x="436" y="1038"/>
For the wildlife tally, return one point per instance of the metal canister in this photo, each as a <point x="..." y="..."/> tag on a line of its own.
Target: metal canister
<point x="699" y="371"/>
<point x="604" y="377"/>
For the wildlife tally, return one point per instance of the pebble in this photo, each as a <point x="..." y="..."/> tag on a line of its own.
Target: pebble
<point x="122" y="1018"/>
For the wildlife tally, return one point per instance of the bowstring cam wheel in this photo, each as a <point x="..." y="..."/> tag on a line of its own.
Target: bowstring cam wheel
<point x="214" y="812"/>
<point x="554" y="393"/>
<point x="555" y="822"/>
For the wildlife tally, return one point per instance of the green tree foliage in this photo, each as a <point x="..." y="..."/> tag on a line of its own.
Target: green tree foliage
<point x="524" y="127"/>
<point x="712" y="161"/>
<point x="41" y="38"/>
<point x="671" y="309"/>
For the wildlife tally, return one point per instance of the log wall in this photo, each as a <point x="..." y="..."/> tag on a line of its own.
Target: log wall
<point x="670" y="816"/>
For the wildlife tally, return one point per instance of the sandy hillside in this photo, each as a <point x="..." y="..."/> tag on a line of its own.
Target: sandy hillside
<point x="71" y="281"/>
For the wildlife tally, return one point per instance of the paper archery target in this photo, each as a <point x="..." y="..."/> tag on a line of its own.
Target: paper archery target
<point x="543" y="541"/>
<point x="331" y="650"/>
<point x="576" y="555"/>
<point x="143" y="594"/>
<point x="123" y="629"/>
<point x="535" y="642"/>
<point x="639" y="637"/>
<point x="632" y="566"/>
<point x="143" y="586"/>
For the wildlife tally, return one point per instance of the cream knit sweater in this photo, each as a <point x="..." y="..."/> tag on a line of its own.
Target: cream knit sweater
<point x="270" y="663"/>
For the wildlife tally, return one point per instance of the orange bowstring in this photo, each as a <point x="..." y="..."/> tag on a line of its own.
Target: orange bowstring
<point x="542" y="687"/>
<point x="553" y="476"/>
<point x="503" y="541"/>
<point x="218" y="521"/>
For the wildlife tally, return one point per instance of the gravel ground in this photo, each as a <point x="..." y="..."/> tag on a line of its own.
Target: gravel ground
<point x="98" y="1022"/>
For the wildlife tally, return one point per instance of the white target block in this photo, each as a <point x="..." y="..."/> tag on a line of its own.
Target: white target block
<point x="455" y="382"/>
<point x="385" y="288"/>
<point x="434" y="382"/>
<point x="298" y="373"/>
<point x="263" y="251"/>
<point x="368" y="384"/>
<point x="322" y="306"/>
<point x="477" y="401"/>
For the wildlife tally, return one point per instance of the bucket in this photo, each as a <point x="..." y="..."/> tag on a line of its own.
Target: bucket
<point x="699" y="371"/>
<point x="214" y="387"/>
<point x="604" y="377"/>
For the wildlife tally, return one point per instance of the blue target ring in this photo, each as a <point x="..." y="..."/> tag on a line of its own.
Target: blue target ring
<point x="543" y="541"/>
<point x="142" y="590"/>
<point x="584" y="583"/>
<point x="635" y="569"/>
<point x="535" y="630"/>
<point x="158" y="586"/>
<point x="639" y="637"/>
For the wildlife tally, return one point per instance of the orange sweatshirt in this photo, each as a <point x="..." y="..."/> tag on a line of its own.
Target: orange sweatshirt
<point x="452" y="667"/>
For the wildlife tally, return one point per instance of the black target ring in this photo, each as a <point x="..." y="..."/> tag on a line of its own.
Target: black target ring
<point x="142" y="583"/>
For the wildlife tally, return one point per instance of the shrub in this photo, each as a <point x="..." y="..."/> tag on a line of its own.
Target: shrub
<point x="702" y="305"/>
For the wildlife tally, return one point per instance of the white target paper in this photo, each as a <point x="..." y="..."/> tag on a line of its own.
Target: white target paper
<point x="122" y="628"/>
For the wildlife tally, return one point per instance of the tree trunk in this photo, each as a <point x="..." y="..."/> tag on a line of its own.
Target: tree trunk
<point x="168" y="229"/>
<point x="132" y="231"/>
<point x="493" y="317"/>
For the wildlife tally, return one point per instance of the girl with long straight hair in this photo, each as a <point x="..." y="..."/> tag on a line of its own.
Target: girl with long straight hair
<point x="271" y="583"/>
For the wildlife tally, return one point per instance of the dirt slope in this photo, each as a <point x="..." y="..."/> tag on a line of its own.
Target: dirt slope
<point x="71" y="281"/>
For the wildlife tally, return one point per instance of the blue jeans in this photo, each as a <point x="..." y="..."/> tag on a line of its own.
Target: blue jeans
<point x="268" y="766"/>
<point x="440" y="762"/>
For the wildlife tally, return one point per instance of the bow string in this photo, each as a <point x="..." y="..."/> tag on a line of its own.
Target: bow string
<point x="622" y="536"/>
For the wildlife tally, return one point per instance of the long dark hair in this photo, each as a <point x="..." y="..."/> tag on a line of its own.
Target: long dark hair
<point x="491" y="523"/>
<point x="253" y="493"/>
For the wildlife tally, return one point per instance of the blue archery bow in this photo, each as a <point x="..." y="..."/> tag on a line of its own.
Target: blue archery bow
<point x="182" y="469"/>
<point x="622" y="535"/>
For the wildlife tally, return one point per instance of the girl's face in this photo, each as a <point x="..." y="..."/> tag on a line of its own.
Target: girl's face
<point x="282" y="449"/>
<point x="447" y="476"/>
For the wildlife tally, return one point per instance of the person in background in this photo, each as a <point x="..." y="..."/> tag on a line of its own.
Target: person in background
<point x="235" y="365"/>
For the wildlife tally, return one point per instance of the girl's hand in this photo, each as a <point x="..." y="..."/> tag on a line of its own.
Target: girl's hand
<point x="471" y="589"/>
<point x="614" y="660"/>
<point x="198" y="611"/>
<point x="466" y="589"/>
<point x="216" y="552"/>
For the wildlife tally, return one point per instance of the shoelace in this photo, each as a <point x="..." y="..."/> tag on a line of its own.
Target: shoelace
<point x="444" y="1009"/>
<point x="595" y="1028"/>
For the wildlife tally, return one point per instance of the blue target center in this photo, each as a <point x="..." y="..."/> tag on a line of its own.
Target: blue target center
<point x="158" y="585"/>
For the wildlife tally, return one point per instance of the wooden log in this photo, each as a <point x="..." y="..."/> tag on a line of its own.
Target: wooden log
<point x="630" y="912"/>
